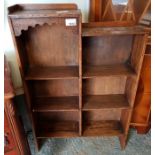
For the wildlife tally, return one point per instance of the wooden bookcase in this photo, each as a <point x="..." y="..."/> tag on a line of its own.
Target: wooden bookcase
<point x="77" y="83"/>
<point x="112" y="58"/>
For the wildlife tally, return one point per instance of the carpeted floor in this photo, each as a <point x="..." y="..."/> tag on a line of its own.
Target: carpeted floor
<point x="137" y="145"/>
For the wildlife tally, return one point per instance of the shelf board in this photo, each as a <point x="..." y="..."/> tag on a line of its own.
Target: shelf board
<point x="107" y="70"/>
<point x="47" y="73"/>
<point x="101" y="102"/>
<point x="102" y="128"/>
<point x="91" y="29"/>
<point x="58" y="129"/>
<point x="21" y="12"/>
<point x="49" y="104"/>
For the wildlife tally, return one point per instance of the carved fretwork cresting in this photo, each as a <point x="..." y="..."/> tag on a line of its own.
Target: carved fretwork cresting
<point x="20" y="25"/>
<point x="24" y="24"/>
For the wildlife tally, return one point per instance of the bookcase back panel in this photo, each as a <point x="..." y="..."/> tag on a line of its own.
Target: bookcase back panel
<point x="104" y="85"/>
<point x="55" y="88"/>
<point x="101" y="115"/>
<point x="58" y="116"/>
<point x="57" y="124"/>
<point x="55" y="45"/>
<point x="107" y="50"/>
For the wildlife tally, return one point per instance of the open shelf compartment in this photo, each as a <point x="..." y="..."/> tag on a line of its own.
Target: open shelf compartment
<point x="58" y="129"/>
<point x="105" y="93"/>
<point x="57" y="124"/>
<point x="43" y="58"/>
<point x="102" y="128"/>
<point x="54" y="95"/>
<point x="102" y="123"/>
<point x="107" y="55"/>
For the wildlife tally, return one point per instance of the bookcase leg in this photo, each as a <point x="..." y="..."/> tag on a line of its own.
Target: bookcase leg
<point x="123" y="141"/>
<point x="37" y="144"/>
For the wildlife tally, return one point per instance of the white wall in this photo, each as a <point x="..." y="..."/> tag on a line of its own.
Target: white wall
<point x="9" y="48"/>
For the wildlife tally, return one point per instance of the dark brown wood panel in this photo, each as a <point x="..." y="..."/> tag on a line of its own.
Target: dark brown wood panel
<point x="107" y="50"/>
<point x="43" y="52"/>
<point x="102" y="128"/>
<point x="48" y="88"/>
<point x="102" y="115"/>
<point x="104" y="85"/>
<point x="57" y="116"/>
<point x="100" y="102"/>
<point x="47" y="104"/>
<point x="58" y="129"/>
<point x="57" y="124"/>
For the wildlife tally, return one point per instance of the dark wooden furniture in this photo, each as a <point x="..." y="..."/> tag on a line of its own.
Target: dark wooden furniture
<point x="48" y="42"/>
<point x="127" y="13"/>
<point x="14" y="136"/>
<point x="135" y="12"/>
<point x="71" y="93"/>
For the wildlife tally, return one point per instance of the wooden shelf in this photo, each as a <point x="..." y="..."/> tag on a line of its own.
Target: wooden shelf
<point x="47" y="104"/>
<point x="107" y="70"/>
<point x="47" y="73"/>
<point x="21" y="13"/>
<point x="101" y="102"/>
<point x="89" y="31"/>
<point x="102" y="128"/>
<point x="58" y="129"/>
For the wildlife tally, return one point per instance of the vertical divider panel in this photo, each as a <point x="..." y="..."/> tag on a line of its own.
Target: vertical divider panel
<point x="137" y="56"/>
<point x="80" y="75"/>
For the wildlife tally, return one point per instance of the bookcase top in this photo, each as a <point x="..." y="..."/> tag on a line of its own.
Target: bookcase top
<point x="43" y="10"/>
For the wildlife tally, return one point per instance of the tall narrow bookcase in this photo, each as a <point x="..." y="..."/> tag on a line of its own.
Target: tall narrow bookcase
<point x="111" y="64"/>
<point x="48" y="43"/>
<point x="76" y="83"/>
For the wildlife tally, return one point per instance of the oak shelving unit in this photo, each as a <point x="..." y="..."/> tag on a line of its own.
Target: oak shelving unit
<point x="111" y="62"/>
<point x="77" y="82"/>
<point x="49" y="52"/>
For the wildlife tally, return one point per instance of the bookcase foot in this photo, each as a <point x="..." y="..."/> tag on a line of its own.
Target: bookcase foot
<point x="123" y="141"/>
